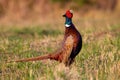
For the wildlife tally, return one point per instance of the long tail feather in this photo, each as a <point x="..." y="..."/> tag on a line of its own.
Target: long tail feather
<point x="33" y="59"/>
<point x="48" y="56"/>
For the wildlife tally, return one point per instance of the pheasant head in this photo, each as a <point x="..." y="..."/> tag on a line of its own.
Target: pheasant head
<point x="68" y="18"/>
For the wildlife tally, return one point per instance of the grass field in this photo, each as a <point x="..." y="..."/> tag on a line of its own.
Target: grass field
<point x="99" y="58"/>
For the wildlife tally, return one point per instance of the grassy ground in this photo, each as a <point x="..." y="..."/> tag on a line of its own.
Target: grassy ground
<point x="99" y="58"/>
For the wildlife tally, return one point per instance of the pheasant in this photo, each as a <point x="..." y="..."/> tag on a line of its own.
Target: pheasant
<point x="72" y="44"/>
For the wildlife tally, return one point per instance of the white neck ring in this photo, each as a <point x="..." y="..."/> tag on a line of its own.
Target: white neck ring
<point x="67" y="25"/>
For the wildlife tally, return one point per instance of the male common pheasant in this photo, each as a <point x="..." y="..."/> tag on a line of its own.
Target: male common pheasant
<point x="72" y="44"/>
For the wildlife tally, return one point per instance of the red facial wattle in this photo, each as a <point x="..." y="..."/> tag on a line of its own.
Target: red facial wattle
<point x="68" y="14"/>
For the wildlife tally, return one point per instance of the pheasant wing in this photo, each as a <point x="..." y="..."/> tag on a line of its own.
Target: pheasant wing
<point x="67" y="49"/>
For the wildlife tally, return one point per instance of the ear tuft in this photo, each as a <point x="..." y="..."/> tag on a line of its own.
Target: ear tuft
<point x="71" y="11"/>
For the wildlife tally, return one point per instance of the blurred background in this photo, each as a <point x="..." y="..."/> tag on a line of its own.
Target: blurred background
<point x="30" y="28"/>
<point x="27" y="12"/>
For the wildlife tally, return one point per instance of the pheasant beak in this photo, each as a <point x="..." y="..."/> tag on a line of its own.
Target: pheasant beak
<point x="64" y="15"/>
